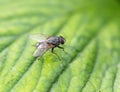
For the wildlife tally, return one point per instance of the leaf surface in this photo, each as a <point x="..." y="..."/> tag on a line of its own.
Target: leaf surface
<point x="91" y="61"/>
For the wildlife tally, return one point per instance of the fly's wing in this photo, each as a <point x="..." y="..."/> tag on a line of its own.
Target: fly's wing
<point x="39" y="37"/>
<point x="42" y="48"/>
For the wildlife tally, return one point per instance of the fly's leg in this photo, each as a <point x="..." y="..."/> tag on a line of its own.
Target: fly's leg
<point x="52" y="50"/>
<point x="60" y="47"/>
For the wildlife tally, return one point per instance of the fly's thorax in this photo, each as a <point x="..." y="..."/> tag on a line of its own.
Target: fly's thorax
<point x="53" y="40"/>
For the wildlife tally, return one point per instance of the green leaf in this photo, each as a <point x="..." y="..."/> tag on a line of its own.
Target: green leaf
<point x="92" y="33"/>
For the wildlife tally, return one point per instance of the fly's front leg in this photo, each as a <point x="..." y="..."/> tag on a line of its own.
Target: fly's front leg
<point x="60" y="47"/>
<point x="52" y="50"/>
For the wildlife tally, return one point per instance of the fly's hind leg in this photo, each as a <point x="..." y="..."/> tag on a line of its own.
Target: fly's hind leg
<point x="52" y="50"/>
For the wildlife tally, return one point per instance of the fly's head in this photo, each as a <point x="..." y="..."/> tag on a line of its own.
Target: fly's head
<point x="61" y="40"/>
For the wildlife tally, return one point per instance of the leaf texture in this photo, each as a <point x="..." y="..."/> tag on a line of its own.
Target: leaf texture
<point x="92" y="32"/>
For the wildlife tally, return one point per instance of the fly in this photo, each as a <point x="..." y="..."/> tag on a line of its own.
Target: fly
<point x="45" y="43"/>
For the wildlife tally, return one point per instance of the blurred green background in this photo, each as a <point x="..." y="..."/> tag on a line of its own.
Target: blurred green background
<point x="92" y="33"/>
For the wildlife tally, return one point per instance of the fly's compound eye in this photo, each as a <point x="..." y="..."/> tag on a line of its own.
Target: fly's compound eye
<point x="62" y="40"/>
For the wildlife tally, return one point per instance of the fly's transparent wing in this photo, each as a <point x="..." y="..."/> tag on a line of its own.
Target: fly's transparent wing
<point x="42" y="48"/>
<point x="39" y="37"/>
